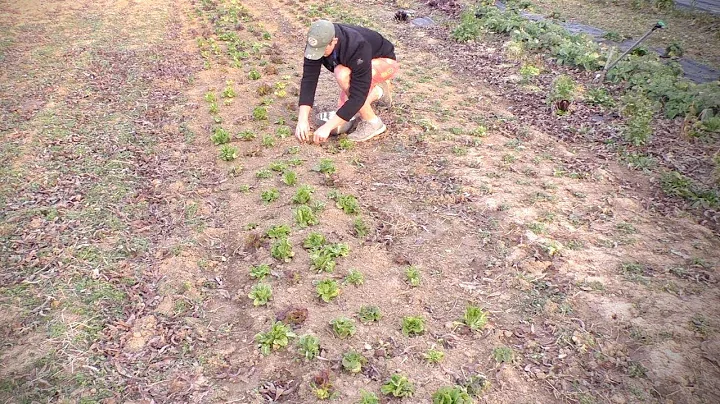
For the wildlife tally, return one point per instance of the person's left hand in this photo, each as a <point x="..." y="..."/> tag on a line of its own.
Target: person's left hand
<point x="321" y="134"/>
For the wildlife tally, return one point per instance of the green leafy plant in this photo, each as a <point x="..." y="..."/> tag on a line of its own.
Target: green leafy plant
<point x="398" y="386"/>
<point x="263" y="174"/>
<point x="283" y="132"/>
<point x="355" y="277"/>
<point x="289" y="178"/>
<point x="563" y="89"/>
<point x="353" y="362"/>
<point x="254" y="75"/>
<point x="282" y="250"/>
<point x="228" y="153"/>
<point x="210" y="97"/>
<point x="348" y="203"/>
<point x="314" y="241"/>
<point x="476" y="384"/>
<point x="345" y="144"/>
<point x="434" y="356"/>
<point x="260" y="272"/>
<point x="367" y="397"/>
<point x="503" y="354"/>
<point x="613" y="36"/>
<point x="279" y="231"/>
<point x="246" y="135"/>
<point x="326" y="166"/>
<point x="294" y="162"/>
<point x="369" y="314"/>
<point x="268" y="141"/>
<point x="276" y="338"/>
<point x="600" y="96"/>
<point x="327" y="289"/>
<point x="261" y="294"/>
<point x="304" y="216"/>
<point x="528" y="71"/>
<point x="475" y="318"/>
<point x="469" y="28"/>
<point x="260" y="114"/>
<point x="214" y="108"/>
<point x="270" y="195"/>
<point x="343" y="327"/>
<point x="303" y="195"/>
<point x="638" y="110"/>
<point x="309" y="346"/>
<point x="451" y="395"/>
<point x="229" y="91"/>
<point x="413" y="326"/>
<point x="412" y="274"/>
<point x="361" y="229"/>
<point x="323" y="259"/>
<point x="277" y="166"/>
<point x="220" y="136"/>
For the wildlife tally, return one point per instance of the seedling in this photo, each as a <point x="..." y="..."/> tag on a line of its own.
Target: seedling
<point x="303" y="195"/>
<point x="343" y="327"/>
<point x="413" y="276"/>
<point x="264" y="89"/>
<point x="283" y="132"/>
<point x="476" y="384"/>
<point x="276" y="338"/>
<point x="322" y="387"/>
<point x="282" y="250"/>
<point x="355" y="278"/>
<point x="247" y="135"/>
<point x="268" y="141"/>
<point x="260" y="114"/>
<point x="293" y="150"/>
<point x="261" y="294"/>
<point x="475" y="318"/>
<point x="260" y="272"/>
<point x="314" y="241"/>
<point x="229" y="91"/>
<point x="348" y="203"/>
<point x="289" y="178"/>
<point x="309" y="346"/>
<point x="220" y="136"/>
<point x="345" y="144"/>
<point x="369" y="314"/>
<point x="263" y="174"/>
<point x="367" y="397"/>
<point x="451" y="395"/>
<point x="228" y="153"/>
<point x="214" y="108"/>
<point x="503" y="354"/>
<point x="254" y="75"/>
<point x="361" y="229"/>
<point x="327" y="290"/>
<point x="434" y="356"/>
<point x="295" y="162"/>
<point x="323" y="260"/>
<point x="210" y="97"/>
<point x="353" y="362"/>
<point x="270" y="195"/>
<point x="413" y="326"/>
<point x="304" y="216"/>
<point x="398" y="386"/>
<point x="326" y="166"/>
<point x="279" y="231"/>
<point x="277" y="166"/>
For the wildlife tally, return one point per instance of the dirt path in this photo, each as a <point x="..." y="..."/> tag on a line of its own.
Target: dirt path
<point x="591" y="296"/>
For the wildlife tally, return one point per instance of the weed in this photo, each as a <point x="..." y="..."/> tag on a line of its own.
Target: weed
<point x="263" y="174"/>
<point x="282" y="250"/>
<point x="260" y="272"/>
<point x="260" y="114"/>
<point x="475" y="318"/>
<point x="276" y="338"/>
<point x="412" y="275"/>
<point x="327" y="290"/>
<point x="355" y="278"/>
<point x="367" y="397"/>
<point x="343" y="327"/>
<point x="398" y="386"/>
<point x="220" y="136"/>
<point x="326" y="166"/>
<point x="246" y="135"/>
<point x="261" y="294"/>
<point x="314" y="241"/>
<point x="309" y="346"/>
<point x="469" y="28"/>
<point x="270" y="195"/>
<point x="636" y="369"/>
<point x="563" y="89"/>
<point x="268" y="141"/>
<point x="353" y="362"/>
<point x="279" y="231"/>
<point x="434" y="356"/>
<point x="254" y="75"/>
<point x="303" y="195"/>
<point x="509" y="159"/>
<point x="228" y="153"/>
<point x="304" y="216"/>
<point x="413" y="326"/>
<point x="503" y="354"/>
<point x="637" y="161"/>
<point x="451" y="395"/>
<point x="369" y="314"/>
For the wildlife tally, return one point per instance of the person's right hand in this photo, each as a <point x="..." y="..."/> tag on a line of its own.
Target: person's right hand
<point x="302" y="130"/>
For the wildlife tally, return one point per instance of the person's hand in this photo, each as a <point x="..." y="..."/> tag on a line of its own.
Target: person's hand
<point x="322" y="134"/>
<point x="302" y="130"/>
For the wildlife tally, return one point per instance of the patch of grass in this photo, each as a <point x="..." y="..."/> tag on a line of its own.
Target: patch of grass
<point x="413" y="326"/>
<point x="270" y="195"/>
<point x="412" y="275"/>
<point x="675" y="184"/>
<point x="304" y="216"/>
<point x="398" y="386"/>
<point x="503" y="354"/>
<point x="353" y="362"/>
<point x="475" y="318"/>
<point x="276" y="338"/>
<point x="369" y="314"/>
<point x="309" y="346"/>
<point x="261" y="294"/>
<point x="434" y="356"/>
<point x="260" y="272"/>
<point x="355" y="277"/>
<point x="327" y="290"/>
<point x="343" y="327"/>
<point x="303" y="195"/>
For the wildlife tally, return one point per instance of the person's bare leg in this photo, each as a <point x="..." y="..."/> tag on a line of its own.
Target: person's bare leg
<point x="342" y="75"/>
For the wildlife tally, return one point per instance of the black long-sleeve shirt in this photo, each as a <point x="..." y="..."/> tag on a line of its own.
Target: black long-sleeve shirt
<point x="355" y="49"/>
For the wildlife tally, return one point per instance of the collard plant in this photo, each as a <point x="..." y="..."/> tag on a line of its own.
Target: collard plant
<point x="369" y="314"/>
<point x="260" y="272"/>
<point x="220" y="136"/>
<point x="413" y="276"/>
<point x="276" y="338"/>
<point x="323" y="258"/>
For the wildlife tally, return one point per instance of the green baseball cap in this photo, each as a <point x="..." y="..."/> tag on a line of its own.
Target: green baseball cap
<point x="320" y="35"/>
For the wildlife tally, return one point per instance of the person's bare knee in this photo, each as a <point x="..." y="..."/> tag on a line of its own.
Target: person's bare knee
<point x="342" y="75"/>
